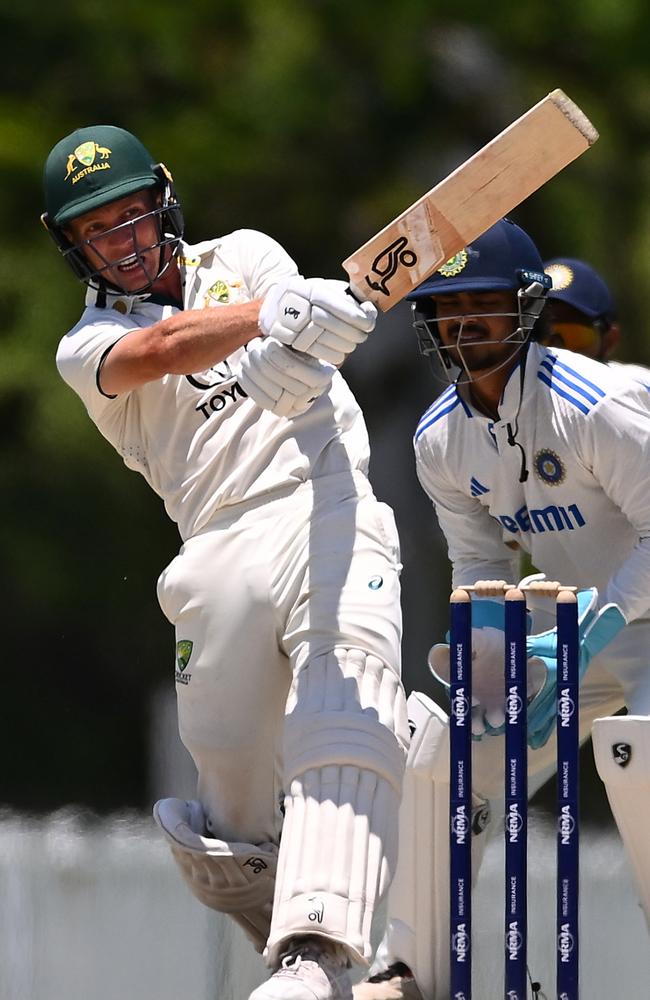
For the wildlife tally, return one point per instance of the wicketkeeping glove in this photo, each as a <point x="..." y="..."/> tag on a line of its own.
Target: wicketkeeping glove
<point x="596" y="628"/>
<point x="281" y="380"/>
<point x="317" y="316"/>
<point x="488" y="645"/>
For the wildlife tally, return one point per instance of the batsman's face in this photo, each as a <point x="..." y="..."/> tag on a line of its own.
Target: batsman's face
<point x="119" y="240"/>
<point x="475" y="326"/>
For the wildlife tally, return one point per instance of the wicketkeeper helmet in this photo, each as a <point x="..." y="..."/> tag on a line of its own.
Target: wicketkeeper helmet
<point x="503" y="259"/>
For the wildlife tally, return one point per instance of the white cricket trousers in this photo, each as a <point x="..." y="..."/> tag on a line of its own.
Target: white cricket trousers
<point x="267" y="587"/>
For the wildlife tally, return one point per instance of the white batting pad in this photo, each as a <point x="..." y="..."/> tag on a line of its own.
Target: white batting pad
<point x="417" y="930"/>
<point x="344" y="762"/>
<point x="622" y="751"/>
<point x="237" y="879"/>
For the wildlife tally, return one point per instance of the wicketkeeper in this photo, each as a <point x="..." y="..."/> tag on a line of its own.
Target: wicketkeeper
<point x="536" y="450"/>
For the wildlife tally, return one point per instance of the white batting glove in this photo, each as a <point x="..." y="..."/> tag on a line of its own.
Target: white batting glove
<point x="281" y="380"/>
<point x="317" y="316"/>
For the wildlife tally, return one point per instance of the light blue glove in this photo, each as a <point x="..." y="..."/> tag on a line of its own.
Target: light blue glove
<point x="596" y="628"/>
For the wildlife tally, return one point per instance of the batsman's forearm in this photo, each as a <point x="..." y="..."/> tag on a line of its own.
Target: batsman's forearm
<point x="186" y="342"/>
<point x="191" y="341"/>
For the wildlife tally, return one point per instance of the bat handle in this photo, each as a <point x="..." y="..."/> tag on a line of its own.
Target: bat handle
<point x="355" y="293"/>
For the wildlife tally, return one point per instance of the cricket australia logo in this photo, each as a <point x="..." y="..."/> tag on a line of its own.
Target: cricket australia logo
<point x="217" y="293"/>
<point x="387" y="262"/>
<point x="85" y="159"/>
<point x="183" y="653"/>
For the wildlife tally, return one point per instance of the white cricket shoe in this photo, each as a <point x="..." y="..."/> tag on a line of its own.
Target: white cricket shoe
<point x="312" y="969"/>
<point x="396" y="983"/>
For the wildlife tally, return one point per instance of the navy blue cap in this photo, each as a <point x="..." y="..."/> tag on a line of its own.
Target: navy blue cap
<point x="580" y="286"/>
<point x="504" y="258"/>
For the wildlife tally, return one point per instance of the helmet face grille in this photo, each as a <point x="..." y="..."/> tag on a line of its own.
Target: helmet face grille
<point x="503" y="259"/>
<point x="170" y="227"/>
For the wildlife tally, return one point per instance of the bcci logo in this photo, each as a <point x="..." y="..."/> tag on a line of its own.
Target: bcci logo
<point x="84" y="158"/>
<point x="454" y="265"/>
<point x="561" y="275"/>
<point x="548" y="467"/>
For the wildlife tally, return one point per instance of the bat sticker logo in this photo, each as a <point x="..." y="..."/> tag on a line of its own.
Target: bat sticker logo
<point x="387" y="261"/>
<point x="622" y="753"/>
<point x="257" y="864"/>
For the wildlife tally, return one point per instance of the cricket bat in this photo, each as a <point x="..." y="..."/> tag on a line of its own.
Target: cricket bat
<point x="496" y="179"/>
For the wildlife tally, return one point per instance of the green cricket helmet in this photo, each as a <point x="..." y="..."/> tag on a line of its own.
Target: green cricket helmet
<point x="93" y="167"/>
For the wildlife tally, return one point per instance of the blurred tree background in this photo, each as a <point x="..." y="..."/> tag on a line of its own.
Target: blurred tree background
<point x="315" y="122"/>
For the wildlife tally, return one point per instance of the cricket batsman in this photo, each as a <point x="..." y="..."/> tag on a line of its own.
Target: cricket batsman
<point x="212" y="369"/>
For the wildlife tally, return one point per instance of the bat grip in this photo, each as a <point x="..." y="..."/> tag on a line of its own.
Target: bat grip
<point x="355" y="294"/>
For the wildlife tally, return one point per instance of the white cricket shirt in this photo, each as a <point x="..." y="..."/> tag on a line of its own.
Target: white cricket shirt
<point x="198" y="440"/>
<point x="583" y="512"/>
